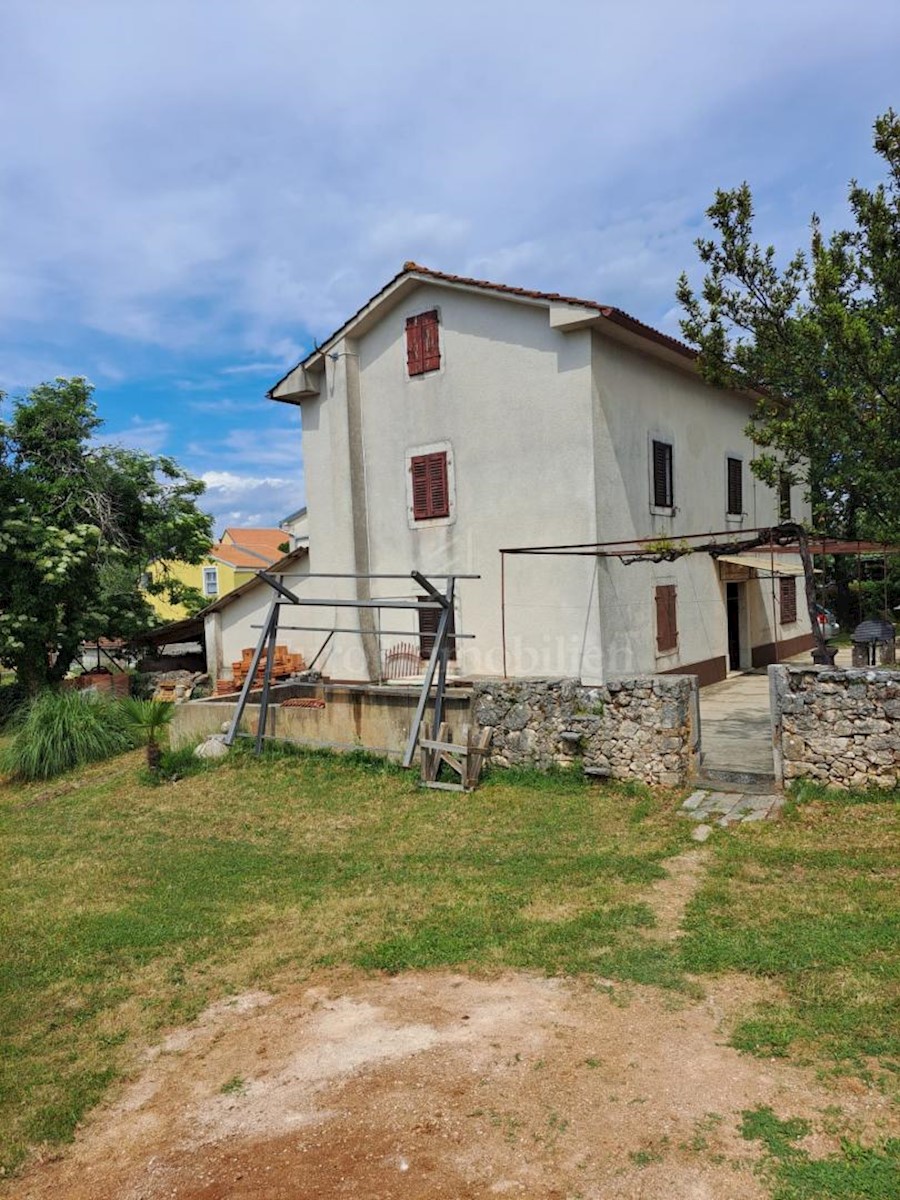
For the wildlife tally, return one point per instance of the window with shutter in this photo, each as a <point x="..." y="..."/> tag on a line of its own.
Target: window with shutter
<point x="663" y="492"/>
<point x="735" y="487"/>
<point x="423" y="347"/>
<point x="784" y="496"/>
<point x="428" y="623"/>
<point x="430" y="486"/>
<point x="666" y="618"/>
<point x="788" y="596"/>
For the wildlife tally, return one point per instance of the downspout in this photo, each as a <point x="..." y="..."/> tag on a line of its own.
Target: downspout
<point x="359" y="510"/>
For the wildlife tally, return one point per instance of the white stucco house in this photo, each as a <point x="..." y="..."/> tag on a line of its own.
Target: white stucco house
<point x="450" y="418"/>
<point x="296" y="526"/>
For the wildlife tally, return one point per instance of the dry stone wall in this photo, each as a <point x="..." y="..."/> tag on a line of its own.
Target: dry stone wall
<point x="643" y="728"/>
<point x="837" y="727"/>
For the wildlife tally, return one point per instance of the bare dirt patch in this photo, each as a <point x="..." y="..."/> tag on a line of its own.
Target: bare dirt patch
<point x="442" y="1085"/>
<point x="669" y="896"/>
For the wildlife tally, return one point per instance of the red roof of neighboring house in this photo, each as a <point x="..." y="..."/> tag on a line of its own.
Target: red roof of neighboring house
<point x="414" y="270"/>
<point x="252" y="548"/>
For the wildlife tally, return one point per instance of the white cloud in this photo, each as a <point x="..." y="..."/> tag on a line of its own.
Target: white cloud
<point x="255" y="368"/>
<point x="250" y="500"/>
<point x="149" y="436"/>
<point x="226" y="406"/>
<point x="219" y="187"/>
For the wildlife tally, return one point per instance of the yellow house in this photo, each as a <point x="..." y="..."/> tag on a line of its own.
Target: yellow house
<point x="233" y="560"/>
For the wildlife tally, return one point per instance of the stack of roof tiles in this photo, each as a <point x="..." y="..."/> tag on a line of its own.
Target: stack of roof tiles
<point x="284" y="665"/>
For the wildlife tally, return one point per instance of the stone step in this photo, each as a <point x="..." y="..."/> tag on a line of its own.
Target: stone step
<point x="725" y="809"/>
<point x="723" y="779"/>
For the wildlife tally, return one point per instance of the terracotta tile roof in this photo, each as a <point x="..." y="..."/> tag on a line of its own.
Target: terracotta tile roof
<point x="616" y="316"/>
<point x="605" y="310"/>
<point x="253" y="548"/>
<point x="282" y="565"/>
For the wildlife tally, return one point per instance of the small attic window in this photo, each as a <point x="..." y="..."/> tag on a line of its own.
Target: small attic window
<point x="423" y="348"/>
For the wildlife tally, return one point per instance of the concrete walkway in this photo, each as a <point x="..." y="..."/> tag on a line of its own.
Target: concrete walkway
<point x="735" y="728"/>
<point x="735" y="724"/>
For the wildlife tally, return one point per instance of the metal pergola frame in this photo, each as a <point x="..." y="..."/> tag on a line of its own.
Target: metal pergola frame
<point x="775" y="539"/>
<point x="442" y="601"/>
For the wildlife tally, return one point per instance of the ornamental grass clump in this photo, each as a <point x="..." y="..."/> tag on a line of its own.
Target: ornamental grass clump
<point x="61" y="730"/>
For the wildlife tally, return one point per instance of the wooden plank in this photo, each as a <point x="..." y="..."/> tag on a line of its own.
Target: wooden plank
<point x="431" y="760"/>
<point x="453" y="747"/>
<point x="454" y="764"/>
<point x="445" y="787"/>
<point x="475" y="758"/>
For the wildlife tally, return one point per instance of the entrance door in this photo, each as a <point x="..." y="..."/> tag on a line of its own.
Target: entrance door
<point x="733" y="609"/>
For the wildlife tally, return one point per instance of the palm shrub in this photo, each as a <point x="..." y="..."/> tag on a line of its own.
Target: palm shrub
<point x="61" y="730"/>
<point x="145" y="721"/>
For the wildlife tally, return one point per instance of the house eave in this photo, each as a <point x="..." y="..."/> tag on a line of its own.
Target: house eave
<point x="302" y="383"/>
<point x="565" y="313"/>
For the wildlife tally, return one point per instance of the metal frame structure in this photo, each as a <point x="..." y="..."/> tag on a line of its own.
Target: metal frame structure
<point x="779" y="539"/>
<point x="437" y="663"/>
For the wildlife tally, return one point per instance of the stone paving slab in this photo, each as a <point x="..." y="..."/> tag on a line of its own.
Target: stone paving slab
<point x="731" y="808"/>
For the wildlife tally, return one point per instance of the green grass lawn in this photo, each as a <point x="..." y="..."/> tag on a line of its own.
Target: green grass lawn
<point x="812" y="902"/>
<point x="126" y="908"/>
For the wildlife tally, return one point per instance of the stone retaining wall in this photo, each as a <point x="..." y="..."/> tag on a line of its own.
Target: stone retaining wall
<point x="643" y="728"/>
<point x="839" y="727"/>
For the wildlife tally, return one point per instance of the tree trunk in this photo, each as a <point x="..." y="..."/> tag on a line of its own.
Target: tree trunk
<point x="822" y="654"/>
<point x="153" y="756"/>
<point x="67" y="649"/>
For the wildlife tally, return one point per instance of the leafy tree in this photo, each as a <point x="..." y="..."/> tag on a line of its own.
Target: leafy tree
<point x="817" y="342"/>
<point x="79" y="522"/>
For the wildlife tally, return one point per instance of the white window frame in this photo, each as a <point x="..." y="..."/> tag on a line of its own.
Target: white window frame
<point x="433" y="522"/>
<point x="207" y="571"/>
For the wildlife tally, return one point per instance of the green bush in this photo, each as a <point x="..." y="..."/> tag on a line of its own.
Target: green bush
<point x="12" y="698"/>
<point x="61" y="730"/>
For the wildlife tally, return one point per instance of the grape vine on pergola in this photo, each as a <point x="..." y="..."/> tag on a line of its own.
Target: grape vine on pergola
<point x="787" y="538"/>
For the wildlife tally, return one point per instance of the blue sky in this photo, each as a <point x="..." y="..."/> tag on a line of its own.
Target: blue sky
<point x="191" y="192"/>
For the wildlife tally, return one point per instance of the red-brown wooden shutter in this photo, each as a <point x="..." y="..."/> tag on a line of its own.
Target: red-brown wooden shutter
<point x="788" y="597"/>
<point x="430" y="486"/>
<point x="735" y="487"/>
<point x="428" y="623"/>
<point x="431" y="345"/>
<point x="419" y="470"/>
<point x="423" y="346"/>
<point x="673" y="617"/>
<point x="438" y="488"/>
<point x="415" y="358"/>
<point x="666" y="618"/>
